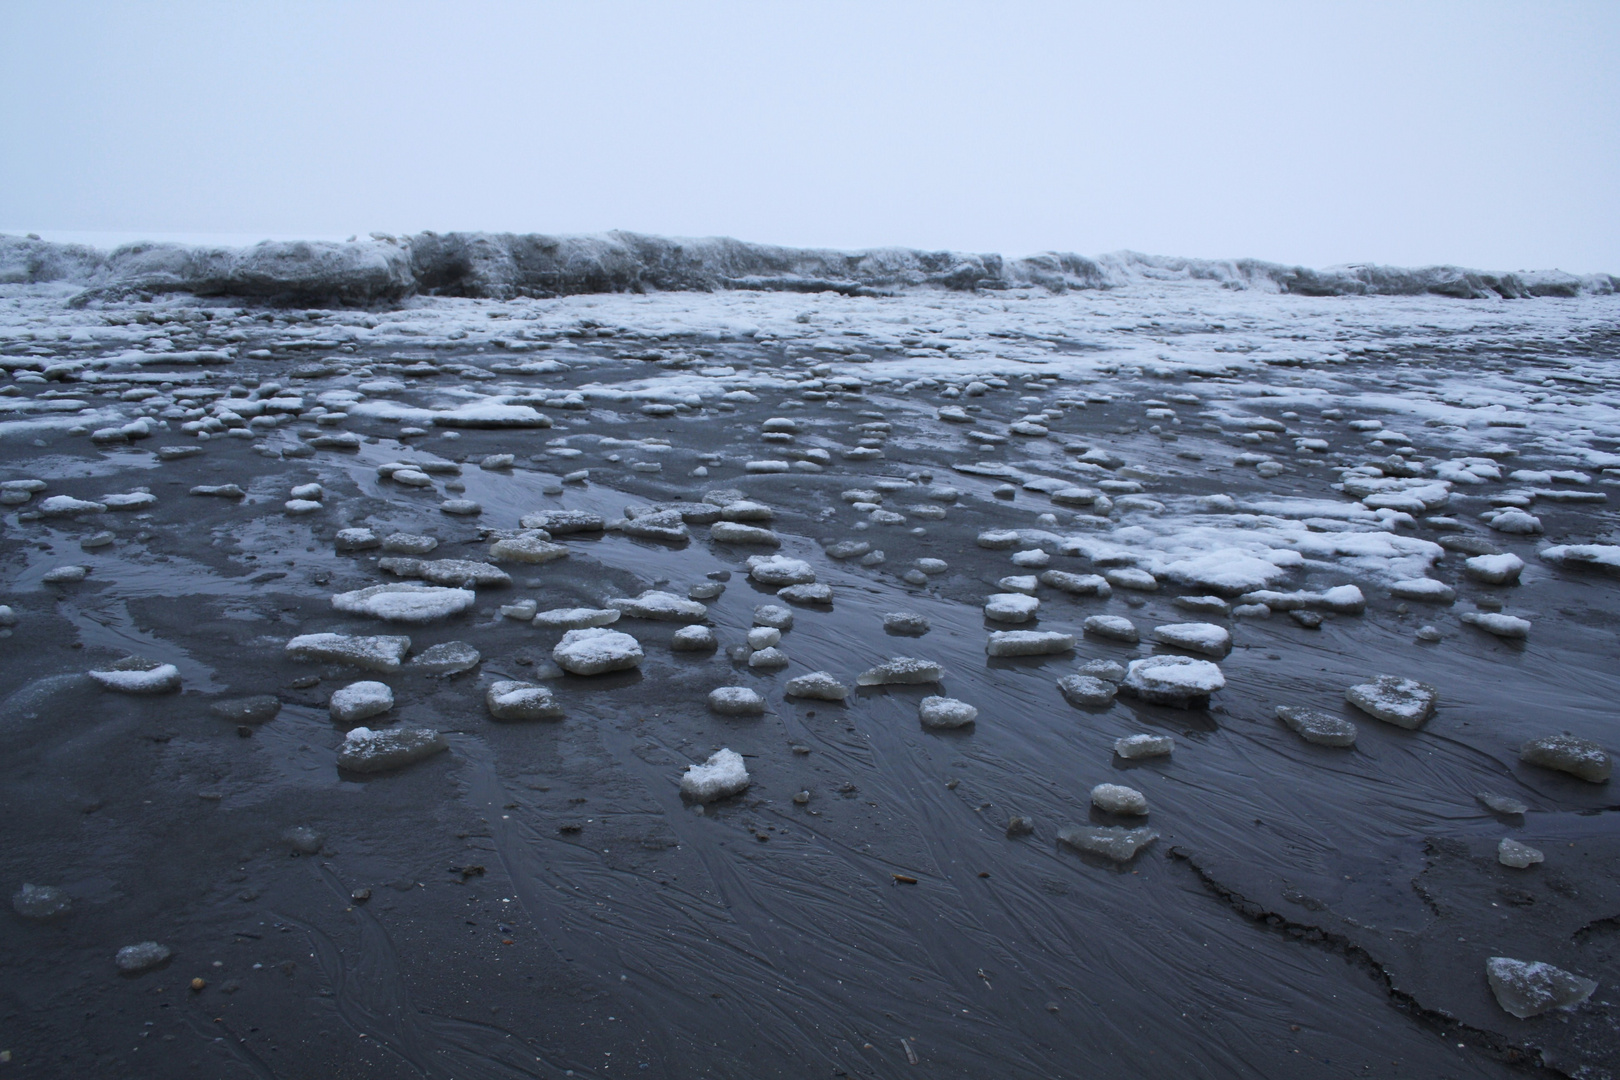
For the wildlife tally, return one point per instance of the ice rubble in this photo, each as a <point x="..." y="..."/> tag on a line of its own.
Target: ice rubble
<point x="1087" y="691"/>
<point x="736" y="701"/>
<point x="1137" y="747"/>
<point x="817" y="685"/>
<point x="1027" y="643"/>
<point x="901" y="671"/>
<point x="1206" y="639"/>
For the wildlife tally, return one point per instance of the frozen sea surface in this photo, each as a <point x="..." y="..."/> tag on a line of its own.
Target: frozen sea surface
<point x="1227" y="452"/>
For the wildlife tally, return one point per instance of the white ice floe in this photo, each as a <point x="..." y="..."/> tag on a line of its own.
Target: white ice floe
<point x="138" y="677"/>
<point x="901" y="671"/>
<point x="1578" y="757"/>
<point x="1137" y="747"/>
<point x="575" y="618"/>
<point x="1497" y="624"/>
<point x="1318" y="727"/>
<point x="661" y="606"/>
<point x="780" y="570"/>
<point x="1530" y="988"/>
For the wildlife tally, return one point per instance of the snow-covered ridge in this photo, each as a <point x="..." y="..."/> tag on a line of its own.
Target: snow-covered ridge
<point x="384" y="269"/>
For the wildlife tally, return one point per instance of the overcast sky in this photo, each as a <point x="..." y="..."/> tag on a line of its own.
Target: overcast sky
<point x="1475" y="133"/>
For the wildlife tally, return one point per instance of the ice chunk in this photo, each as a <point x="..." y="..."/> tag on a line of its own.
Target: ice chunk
<point x="464" y="573"/>
<point x="1010" y="607"/>
<point x="1502" y="626"/>
<point x="692" y="638"/>
<point x="763" y="637"/>
<point x="1106" y="670"/>
<point x="780" y="570"/>
<point x="1129" y="577"/>
<point x="1427" y="590"/>
<point x="901" y="671"/>
<point x="357" y="540"/>
<point x="596" y="651"/>
<point x="906" y="623"/>
<point x="1318" y="727"/>
<point x="255" y="710"/>
<point x="133" y="959"/>
<point x="1343" y="599"/>
<point x="1116" y="843"/>
<point x="360" y="701"/>
<point x="1579" y="757"/>
<point x="1603" y="557"/>
<point x="1119" y="799"/>
<point x="65" y="575"/>
<point x="140" y="500"/>
<point x="372" y="653"/>
<point x="561" y="522"/>
<point x="1033" y="558"/>
<point x="736" y="701"/>
<point x="1228" y="572"/>
<point x="578" y="618"/>
<point x="405" y="603"/>
<point x="368" y="751"/>
<point x="40" y="902"/>
<point x="734" y="532"/>
<point x="1515" y="523"/>
<point x="998" y="539"/>
<point x="944" y="712"/>
<point x="767" y="659"/>
<point x="818" y="685"/>
<point x="1494" y="569"/>
<point x="1526" y="989"/>
<point x="67" y="506"/>
<point x="1112" y="627"/>
<point x="662" y="606"/>
<point x="1519" y="856"/>
<point x="848" y="549"/>
<point x="722" y="775"/>
<point x="510" y="700"/>
<point x="1077" y="584"/>
<point x="1501" y="804"/>
<point x="747" y="510"/>
<point x="135" y="675"/>
<point x="665" y="525"/>
<point x="1395" y="700"/>
<point x="1180" y="681"/>
<point x="1204" y="638"/>
<point x="526" y="547"/>
<point x="1027" y="643"/>
<point x="1135" y="747"/>
<point x="491" y="414"/>
<point x="447" y="658"/>
<point x="1087" y="691"/>
<point x="1022" y="583"/>
<point x="774" y="615"/>
<point x="408" y="544"/>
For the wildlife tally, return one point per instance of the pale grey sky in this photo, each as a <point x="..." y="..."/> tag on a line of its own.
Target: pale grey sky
<point x="1485" y="134"/>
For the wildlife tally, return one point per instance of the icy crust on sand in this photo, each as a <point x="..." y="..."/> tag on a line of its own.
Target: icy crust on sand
<point x="503" y="265"/>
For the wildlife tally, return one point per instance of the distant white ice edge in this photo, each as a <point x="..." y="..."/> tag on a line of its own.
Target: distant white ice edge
<point x="384" y="269"/>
